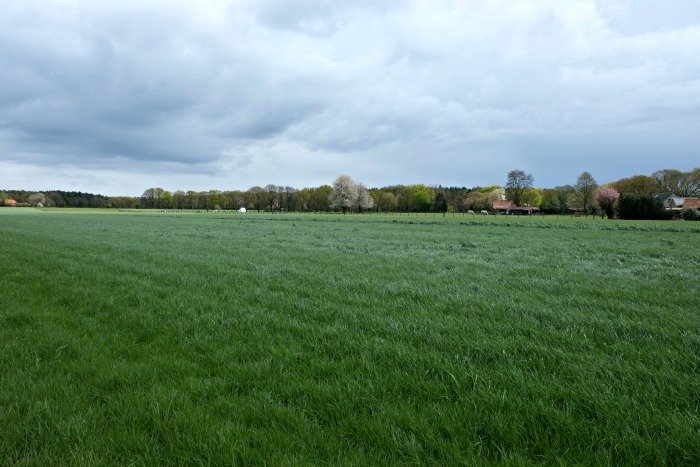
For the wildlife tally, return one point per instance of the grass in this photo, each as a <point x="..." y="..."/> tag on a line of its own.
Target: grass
<point x="179" y="338"/>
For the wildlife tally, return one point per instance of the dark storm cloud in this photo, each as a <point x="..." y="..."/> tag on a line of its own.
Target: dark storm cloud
<point x="116" y="96"/>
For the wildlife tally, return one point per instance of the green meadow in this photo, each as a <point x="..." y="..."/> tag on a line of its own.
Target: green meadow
<point x="143" y="337"/>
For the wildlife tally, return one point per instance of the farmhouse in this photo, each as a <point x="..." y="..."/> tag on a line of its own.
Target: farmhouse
<point x="691" y="203"/>
<point x="10" y="202"/>
<point x="507" y="206"/>
<point x="503" y="205"/>
<point x="669" y="200"/>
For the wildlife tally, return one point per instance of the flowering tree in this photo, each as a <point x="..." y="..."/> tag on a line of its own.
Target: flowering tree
<point x="363" y="199"/>
<point x="344" y="193"/>
<point x="607" y="197"/>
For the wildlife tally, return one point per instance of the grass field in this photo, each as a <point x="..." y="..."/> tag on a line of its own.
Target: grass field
<point x="179" y="338"/>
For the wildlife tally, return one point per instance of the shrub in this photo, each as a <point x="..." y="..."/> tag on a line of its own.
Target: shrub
<point x="690" y="215"/>
<point x="640" y="207"/>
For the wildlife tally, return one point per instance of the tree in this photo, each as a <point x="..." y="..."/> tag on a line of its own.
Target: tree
<point x="518" y="181"/>
<point x="319" y="199"/>
<point x="272" y="196"/>
<point x="37" y="199"/>
<point x="440" y="204"/>
<point x="677" y="182"/>
<point x="638" y="185"/>
<point x="551" y="201"/>
<point x="180" y="200"/>
<point x="303" y="196"/>
<point x="532" y="197"/>
<point x="259" y="197"/>
<point x="151" y="197"/>
<point x="167" y="200"/>
<point x="607" y="197"/>
<point x="667" y="180"/>
<point x="694" y="180"/>
<point x="421" y="198"/>
<point x="363" y="199"/>
<point x="475" y="201"/>
<point x="387" y="202"/>
<point x="192" y="199"/>
<point x="585" y="191"/>
<point x="344" y="193"/>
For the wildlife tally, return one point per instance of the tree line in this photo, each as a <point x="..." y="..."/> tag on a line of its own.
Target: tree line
<point x="56" y="198"/>
<point x="629" y="198"/>
<point x="347" y="195"/>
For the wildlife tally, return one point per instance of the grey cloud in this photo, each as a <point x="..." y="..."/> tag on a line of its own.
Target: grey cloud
<point x="252" y="92"/>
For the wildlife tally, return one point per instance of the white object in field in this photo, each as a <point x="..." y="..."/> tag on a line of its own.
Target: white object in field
<point x="485" y="213"/>
<point x="241" y="210"/>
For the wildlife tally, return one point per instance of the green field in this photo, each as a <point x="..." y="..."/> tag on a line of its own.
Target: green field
<point x="220" y="338"/>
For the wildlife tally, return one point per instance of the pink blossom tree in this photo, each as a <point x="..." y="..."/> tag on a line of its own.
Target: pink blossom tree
<point x="607" y="197"/>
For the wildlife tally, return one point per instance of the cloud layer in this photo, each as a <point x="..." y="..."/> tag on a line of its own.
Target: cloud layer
<point x="114" y="97"/>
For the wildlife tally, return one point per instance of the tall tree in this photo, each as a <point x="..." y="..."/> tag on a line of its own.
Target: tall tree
<point x="344" y="193"/>
<point x="532" y="197"/>
<point x="363" y="199"/>
<point x="37" y="199"/>
<point x="677" y="182"/>
<point x="667" y="180"/>
<point x="421" y="198"/>
<point x="180" y="200"/>
<point x="637" y="185"/>
<point x="585" y="191"/>
<point x="153" y="198"/>
<point x="319" y="199"/>
<point x="387" y="201"/>
<point x="518" y="181"/>
<point x="440" y="204"/>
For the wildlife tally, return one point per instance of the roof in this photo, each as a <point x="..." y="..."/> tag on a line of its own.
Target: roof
<point x="664" y="196"/>
<point x="678" y="200"/>
<point x="691" y="203"/>
<point x="503" y="204"/>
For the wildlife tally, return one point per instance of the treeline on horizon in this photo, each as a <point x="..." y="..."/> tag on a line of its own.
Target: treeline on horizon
<point x="395" y="198"/>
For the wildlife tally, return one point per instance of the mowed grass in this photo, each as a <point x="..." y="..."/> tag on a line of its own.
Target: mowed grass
<point x="220" y="338"/>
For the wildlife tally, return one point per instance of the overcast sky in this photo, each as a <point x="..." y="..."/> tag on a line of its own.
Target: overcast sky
<point x="117" y="96"/>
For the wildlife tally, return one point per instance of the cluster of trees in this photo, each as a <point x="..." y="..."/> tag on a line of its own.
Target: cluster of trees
<point x="629" y="197"/>
<point x="580" y="197"/>
<point x="56" y="198"/>
<point x="270" y="198"/>
<point x="348" y="194"/>
<point x="345" y="195"/>
<point x="674" y="181"/>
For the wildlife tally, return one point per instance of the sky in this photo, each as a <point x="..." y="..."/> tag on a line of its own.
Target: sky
<point x="115" y="97"/>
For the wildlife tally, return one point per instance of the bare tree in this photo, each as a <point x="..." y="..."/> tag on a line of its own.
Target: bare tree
<point x="518" y="182"/>
<point x="677" y="182"/>
<point x="272" y="195"/>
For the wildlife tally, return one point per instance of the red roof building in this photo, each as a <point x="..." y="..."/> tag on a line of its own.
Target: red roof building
<point x="509" y="206"/>
<point x="691" y="203"/>
<point x="10" y="202"/>
<point x="503" y="205"/>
